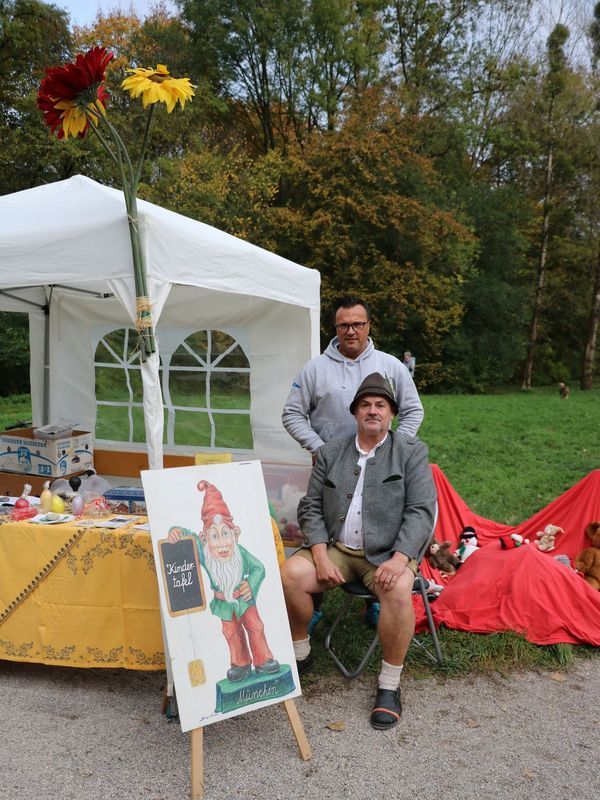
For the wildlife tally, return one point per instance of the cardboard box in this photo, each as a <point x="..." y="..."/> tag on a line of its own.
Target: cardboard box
<point x="22" y="452"/>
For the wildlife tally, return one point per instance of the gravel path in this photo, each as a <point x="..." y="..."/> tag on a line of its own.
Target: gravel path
<point x="99" y="734"/>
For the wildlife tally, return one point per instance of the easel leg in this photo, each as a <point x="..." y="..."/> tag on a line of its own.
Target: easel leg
<point x="197" y="764"/>
<point x="298" y="728"/>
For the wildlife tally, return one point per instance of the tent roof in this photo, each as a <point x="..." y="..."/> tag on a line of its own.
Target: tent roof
<point x="74" y="232"/>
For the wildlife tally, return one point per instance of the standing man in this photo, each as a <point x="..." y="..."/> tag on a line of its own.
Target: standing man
<point x="316" y="410"/>
<point x="368" y="515"/>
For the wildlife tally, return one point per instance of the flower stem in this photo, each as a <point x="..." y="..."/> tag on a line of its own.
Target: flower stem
<point x="138" y="171"/>
<point x="130" y="181"/>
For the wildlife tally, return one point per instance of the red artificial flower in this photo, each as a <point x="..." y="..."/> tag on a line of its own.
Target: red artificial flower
<point x="69" y="96"/>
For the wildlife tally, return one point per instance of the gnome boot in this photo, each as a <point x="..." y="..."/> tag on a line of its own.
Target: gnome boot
<point x="235" y="674"/>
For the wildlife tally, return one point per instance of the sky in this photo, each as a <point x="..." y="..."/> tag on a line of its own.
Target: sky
<point x="83" y="12"/>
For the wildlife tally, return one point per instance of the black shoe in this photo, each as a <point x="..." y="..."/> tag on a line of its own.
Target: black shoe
<point x="305" y="665"/>
<point x="387" y="709"/>
<point x="267" y="668"/>
<point x="235" y="674"/>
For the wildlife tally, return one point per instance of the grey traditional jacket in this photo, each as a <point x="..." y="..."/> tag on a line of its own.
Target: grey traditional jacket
<point x="398" y="504"/>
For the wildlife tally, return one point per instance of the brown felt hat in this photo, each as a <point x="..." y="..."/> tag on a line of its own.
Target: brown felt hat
<point x="375" y="384"/>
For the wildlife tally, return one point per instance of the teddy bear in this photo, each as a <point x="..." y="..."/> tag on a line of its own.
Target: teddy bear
<point x="588" y="561"/>
<point x="440" y="557"/>
<point x="547" y="537"/>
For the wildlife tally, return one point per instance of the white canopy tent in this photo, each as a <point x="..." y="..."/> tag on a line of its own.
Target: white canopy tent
<point x="65" y="259"/>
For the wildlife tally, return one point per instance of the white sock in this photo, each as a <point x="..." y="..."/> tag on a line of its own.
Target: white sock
<point x="302" y="649"/>
<point x="389" y="677"/>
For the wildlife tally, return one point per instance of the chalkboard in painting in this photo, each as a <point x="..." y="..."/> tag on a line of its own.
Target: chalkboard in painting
<point x="181" y="576"/>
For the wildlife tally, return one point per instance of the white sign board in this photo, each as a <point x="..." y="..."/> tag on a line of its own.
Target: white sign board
<point x="221" y="598"/>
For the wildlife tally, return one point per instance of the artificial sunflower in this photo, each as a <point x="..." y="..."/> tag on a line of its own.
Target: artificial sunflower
<point x="72" y="95"/>
<point x="157" y="86"/>
<point x="73" y="99"/>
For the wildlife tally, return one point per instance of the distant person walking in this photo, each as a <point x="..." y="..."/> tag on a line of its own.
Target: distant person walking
<point x="409" y="362"/>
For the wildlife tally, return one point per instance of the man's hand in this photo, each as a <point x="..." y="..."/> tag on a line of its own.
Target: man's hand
<point x="245" y="591"/>
<point x="327" y="572"/>
<point x="174" y="534"/>
<point x="388" y="573"/>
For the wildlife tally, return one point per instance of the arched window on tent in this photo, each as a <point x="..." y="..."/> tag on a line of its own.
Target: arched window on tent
<point x="205" y="384"/>
<point x="206" y="390"/>
<point x="119" y="401"/>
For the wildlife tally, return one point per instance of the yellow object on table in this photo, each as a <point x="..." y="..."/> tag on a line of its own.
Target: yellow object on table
<point x="79" y="597"/>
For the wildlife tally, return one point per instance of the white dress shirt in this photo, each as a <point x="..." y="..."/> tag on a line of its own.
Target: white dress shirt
<point x="352" y="532"/>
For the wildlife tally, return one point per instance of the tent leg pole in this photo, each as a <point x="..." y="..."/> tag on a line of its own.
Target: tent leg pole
<point x="46" y="407"/>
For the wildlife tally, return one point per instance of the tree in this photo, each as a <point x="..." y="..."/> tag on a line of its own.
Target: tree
<point x="554" y="86"/>
<point x="285" y="65"/>
<point x="33" y="35"/>
<point x="367" y="210"/>
<point x="589" y="357"/>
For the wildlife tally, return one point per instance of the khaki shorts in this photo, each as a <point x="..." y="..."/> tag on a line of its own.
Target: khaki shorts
<point x="352" y="563"/>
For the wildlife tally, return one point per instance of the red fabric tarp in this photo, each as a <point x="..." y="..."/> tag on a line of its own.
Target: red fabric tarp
<point x="523" y="589"/>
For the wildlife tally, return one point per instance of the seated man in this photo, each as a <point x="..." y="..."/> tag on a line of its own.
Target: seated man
<point x="367" y="515"/>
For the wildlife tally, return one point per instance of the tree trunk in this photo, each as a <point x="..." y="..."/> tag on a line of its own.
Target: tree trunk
<point x="587" y="373"/>
<point x="541" y="276"/>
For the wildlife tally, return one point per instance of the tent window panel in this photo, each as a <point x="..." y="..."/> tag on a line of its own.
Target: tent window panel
<point x="192" y="428"/>
<point x="187" y="388"/>
<point x="111" y="384"/>
<point x="226" y="352"/>
<point x="230" y="390"/>
<point x="235" y="358"/>
<point x="118" y="384"/>
<point x="113" y="422"/>
<point x="139" y="430"/>
<point x="233" y="430"/>
<point x="106" y="356"/>
<point x="193" y="352"/>
<point x="122" y="341"/>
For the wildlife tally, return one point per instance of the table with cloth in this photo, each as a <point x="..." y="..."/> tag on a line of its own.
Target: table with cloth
<point x="79" y="596"/>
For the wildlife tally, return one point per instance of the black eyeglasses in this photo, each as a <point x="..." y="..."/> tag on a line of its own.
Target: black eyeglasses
<point x="344" y="327"/>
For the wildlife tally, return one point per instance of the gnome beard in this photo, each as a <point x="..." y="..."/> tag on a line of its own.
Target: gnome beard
<point x="226" y="574"/>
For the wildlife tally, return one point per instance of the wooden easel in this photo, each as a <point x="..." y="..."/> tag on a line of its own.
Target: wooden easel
<point x="198" y="748"/>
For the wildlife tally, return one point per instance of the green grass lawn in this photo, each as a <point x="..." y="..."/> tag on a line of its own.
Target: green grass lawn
<point x="508" y="455"/>
<point x="14" y="409"/>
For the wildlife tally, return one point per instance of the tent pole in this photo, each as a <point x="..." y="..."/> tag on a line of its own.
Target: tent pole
<point x="46" y="407"/>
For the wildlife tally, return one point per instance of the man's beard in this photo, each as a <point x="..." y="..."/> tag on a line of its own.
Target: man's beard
<point x="226" y="575"/>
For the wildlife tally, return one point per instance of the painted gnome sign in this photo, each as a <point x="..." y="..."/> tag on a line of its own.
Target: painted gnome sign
<point x="223" y="609"/>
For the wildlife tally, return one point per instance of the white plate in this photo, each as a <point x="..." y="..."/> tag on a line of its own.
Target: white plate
<point x="42" y="519"/>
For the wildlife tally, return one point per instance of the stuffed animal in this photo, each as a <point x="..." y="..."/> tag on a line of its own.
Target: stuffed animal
<point x="588" y="561"/>
<point x="547" y="537"/>
<point x="441" y="558"/>
<point x="514" y="540"/>
<point x="467" y="544"/>
<point x="564" y="559"/>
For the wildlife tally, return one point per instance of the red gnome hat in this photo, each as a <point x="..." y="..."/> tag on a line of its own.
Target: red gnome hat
<point x="214" y="506"/>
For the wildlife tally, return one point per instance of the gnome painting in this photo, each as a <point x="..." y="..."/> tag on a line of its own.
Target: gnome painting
<point x="229" y="644"/>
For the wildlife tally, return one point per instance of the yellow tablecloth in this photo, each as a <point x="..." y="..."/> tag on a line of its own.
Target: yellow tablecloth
<point x="98" y="606"/>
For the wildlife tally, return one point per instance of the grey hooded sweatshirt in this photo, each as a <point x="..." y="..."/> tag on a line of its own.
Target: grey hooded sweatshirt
<point x="317" y="409"/>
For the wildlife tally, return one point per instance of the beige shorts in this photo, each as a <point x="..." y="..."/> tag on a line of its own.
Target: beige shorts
<point x="352" y="563"/>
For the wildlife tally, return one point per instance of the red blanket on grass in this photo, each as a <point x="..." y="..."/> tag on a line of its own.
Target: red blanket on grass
<point x="523" y="589"/>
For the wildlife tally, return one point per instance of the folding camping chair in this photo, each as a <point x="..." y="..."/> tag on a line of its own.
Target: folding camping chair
<point x="356" y="589"/>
